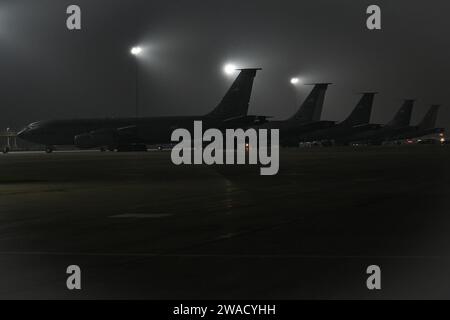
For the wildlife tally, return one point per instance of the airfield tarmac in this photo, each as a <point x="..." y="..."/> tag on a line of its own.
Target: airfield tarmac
<point x="140" y="227"/>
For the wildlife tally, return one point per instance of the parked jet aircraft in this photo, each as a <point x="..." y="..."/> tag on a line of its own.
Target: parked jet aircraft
<point x="399" y="124"/>
<point x="357" y="121"/>
<point x="135" y="133"/>
<point x="306" y="119"/>
<point x="425" y="127"/>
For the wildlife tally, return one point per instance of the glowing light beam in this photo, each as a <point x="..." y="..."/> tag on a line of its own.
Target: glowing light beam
<point x="295" y="81"/>
<point x="229" y="69"/>
<point x="135" y="51"/>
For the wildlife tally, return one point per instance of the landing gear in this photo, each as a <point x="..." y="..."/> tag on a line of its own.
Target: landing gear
<point x="102" y="149"/>
<point x="49" y="149"/>
<point x="6" y="150"/>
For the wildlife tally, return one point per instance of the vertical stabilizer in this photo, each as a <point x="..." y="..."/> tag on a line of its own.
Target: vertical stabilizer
<point x="429" y="120"/>
<point x="361" y="113"/>
<point x="311" y="109"/>
<point x="403" y="116"/>
<point x="235" y="103"/>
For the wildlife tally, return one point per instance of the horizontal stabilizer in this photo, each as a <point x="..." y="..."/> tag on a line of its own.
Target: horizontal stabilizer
<point x="249" y="69"/>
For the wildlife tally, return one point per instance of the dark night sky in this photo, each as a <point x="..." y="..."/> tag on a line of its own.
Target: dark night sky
<point x="48" y="72"/>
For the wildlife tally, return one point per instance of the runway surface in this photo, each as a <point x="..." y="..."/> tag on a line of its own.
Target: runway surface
<point x="140" y="227"/>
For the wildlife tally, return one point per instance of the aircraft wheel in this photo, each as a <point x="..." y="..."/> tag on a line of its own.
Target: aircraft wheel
<point x="6" y="150"/>
<point x="102" y="149"/>
<point x="48" y="149"/>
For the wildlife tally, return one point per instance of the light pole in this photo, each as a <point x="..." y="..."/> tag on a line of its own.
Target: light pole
<point x="8" y="144"/>
<point x="136" y="51"/>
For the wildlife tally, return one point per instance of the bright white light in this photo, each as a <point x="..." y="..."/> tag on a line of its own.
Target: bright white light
<point x="229" y="69"/>
<point x="136" y="51"/>
<point x="295" y="80"/>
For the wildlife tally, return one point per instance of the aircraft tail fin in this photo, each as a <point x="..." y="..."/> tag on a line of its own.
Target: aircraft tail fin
<point x="403" y="116"/>
<point x="361" y="113"/>
<point x="429" y="120"/>
<point x="235" y="103"/>
<point x="311" y="109"/>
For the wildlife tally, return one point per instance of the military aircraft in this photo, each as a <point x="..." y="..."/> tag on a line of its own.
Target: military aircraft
<point x="357" y="121"/>
<point x="399" y="124"/>
<point x="425" y="127"/>
<point x="124" y="134"/>
<point x="306" y="119"/>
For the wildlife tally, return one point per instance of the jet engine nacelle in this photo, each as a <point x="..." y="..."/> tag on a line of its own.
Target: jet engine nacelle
<point x="97" y="138"/>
